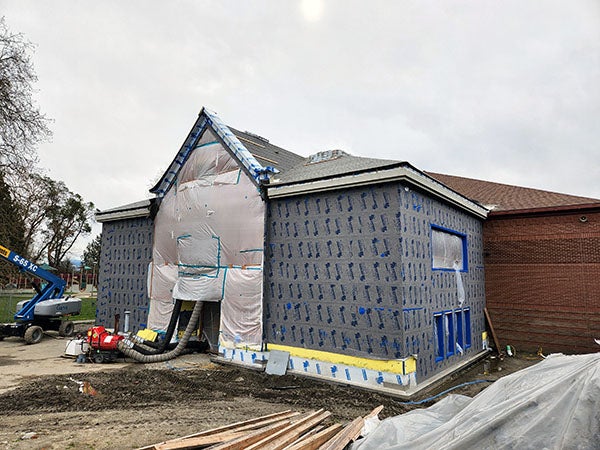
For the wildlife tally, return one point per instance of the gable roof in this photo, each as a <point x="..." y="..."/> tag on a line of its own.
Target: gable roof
<point x="208" y="119"/>
<point x="504" y="198"/>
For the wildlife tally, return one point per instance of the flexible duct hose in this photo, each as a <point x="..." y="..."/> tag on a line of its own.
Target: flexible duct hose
<point x="125" y="345"/>
<point x="152" y="348"/>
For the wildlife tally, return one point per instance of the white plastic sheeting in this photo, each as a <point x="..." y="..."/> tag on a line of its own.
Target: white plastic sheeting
<point x="554" y="404"/>
<point x="447" y="250"/>
<point x="209" y="237"/>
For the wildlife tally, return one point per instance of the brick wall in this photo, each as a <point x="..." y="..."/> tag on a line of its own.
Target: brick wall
<point x="543" y="281"/>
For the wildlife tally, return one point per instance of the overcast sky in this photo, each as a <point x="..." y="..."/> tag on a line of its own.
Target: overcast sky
<point x="505" y="91"/>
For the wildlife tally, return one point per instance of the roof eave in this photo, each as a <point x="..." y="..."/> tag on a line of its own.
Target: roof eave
<point x="403" y="172"/>
<point x="121" y="215"/>
<point x="548" y="210"/>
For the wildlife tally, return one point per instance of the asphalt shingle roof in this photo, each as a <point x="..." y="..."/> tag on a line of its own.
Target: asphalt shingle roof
<point x="505" y="197"/>
<point x="266" y="153"/>
<point x="344" y="164"/>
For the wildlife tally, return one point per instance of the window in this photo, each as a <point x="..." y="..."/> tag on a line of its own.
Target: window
<point x="438" y="331"/>
<point x="449" y="249"/>
<point x="449" y="324"/>
<point x="452" y="332"/>
<point x="460" y="343"/>
<point x="467" y="313"/>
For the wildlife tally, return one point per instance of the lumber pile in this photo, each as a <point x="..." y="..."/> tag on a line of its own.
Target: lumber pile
<point x="285" y="430"/>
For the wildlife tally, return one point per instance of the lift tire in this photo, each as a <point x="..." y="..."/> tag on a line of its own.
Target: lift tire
<point x="66" y="328"/>
<point x="33" y="334"/>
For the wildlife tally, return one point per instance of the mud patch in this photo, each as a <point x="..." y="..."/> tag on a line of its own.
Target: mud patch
<point x="8" y="361"/>
<point x="155" y="388"/>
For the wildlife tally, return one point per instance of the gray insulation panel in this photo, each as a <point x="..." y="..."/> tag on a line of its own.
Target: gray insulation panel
<point x="122" y="282"/>
<point x="351" y="272"/>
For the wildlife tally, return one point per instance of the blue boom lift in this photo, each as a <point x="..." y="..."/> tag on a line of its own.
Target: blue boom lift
<point x="47" y="310"/>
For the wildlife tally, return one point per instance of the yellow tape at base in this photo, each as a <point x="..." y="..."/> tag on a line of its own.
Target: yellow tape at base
<point x="398" y="366"/>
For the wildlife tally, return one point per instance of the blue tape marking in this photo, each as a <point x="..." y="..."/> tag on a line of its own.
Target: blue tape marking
<point x="223" y="287"/>
<point x="207" y="144"/>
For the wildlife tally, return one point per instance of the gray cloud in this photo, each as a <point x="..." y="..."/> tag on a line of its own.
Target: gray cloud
<point x="504" y="91"/>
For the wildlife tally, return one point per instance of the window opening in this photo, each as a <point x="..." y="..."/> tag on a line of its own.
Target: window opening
<point x="467" y="313"/>
<point x="449" y="325"/>
<point x="438" y="324"/>
<point x="449" y="249"/>
<point x="458" y="314"/>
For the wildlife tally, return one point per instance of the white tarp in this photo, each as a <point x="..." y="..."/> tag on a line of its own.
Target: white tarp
<point x="554" y="404"/>
<point x="208" y="244"/>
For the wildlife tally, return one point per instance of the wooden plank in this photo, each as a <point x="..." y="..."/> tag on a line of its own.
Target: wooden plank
<point x="315" y="441"/>
<point x="202" y="441"/>
<point x="256" y="422"/>
<point x="282" y="438"/>
<point x="243" y="442"/>
<point x="309" y="433"/>
<point x="344" y="437"/>
<point x="496" y="343"/>
<point x="374" y="413"/>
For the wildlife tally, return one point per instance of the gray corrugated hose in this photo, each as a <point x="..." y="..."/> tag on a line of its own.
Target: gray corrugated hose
<point x="125" y="345"/>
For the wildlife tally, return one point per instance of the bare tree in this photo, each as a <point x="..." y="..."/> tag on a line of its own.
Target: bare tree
<point x="22" y="125"/>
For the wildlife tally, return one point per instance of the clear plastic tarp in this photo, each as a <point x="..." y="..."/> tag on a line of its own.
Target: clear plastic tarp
<point x="208" y="244"/>
<point x="554" y="404"/>
<point x="447" y="250"/>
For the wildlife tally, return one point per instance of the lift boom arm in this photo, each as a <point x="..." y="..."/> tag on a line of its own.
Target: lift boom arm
<point x="54" y="288"/>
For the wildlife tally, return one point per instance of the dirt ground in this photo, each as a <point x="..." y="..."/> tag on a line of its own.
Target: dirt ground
<point x="135" y="405"/>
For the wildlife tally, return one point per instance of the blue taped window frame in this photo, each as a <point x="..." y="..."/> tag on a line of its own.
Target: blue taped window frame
<point x="438" y="331"/>
<point x="463" y="238"/>
<point x="451" y="327"/>
<point x="458" y="315"/>
<point x="449" y="333"/>
<point x="467" y="317"/>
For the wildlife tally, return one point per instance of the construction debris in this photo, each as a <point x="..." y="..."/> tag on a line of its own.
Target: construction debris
<point x="287" y="429"/>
